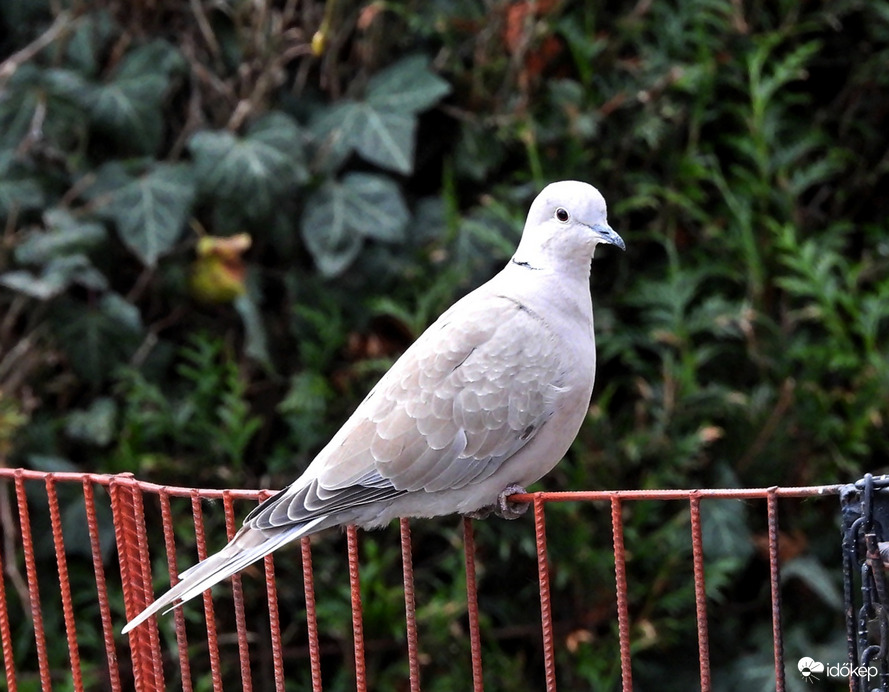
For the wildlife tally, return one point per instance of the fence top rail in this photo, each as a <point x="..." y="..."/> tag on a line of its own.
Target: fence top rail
<point x="681" y="494"/>
<point x="128" y="479"/>
<point x="107" y="479"/>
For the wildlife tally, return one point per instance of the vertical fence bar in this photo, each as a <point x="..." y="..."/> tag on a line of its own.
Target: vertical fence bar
<point x="153" y="655"/>
<point x="238" y="598"/>
<point x="475" y="639"/>
<point x="620" y="580"/>
<point x="5" y="631"/>
<point x="92" y="523"/>
<point x="209" y="611"/>
<point x="33" y="590"/>
<point x="311" y="614"/>
<point x="6" y="635"/>
<point x="357" y="622"/>
<point x="850" y="541"/>
<point x="271" y="591"/>
<point x="546" y="613"/>
<point x="173" y="570"/>
<point x="58" y="539"/>
<point x="357" y="611"/>
<point x="697" y="549"/>
<point x="775" y="582"/>
<point x="410" y="610"/>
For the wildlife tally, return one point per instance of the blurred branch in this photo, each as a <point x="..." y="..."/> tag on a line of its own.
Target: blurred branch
<point x="63" y="24"/>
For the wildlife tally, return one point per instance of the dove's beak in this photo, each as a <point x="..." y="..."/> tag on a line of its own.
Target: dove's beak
<point x="606" y="234"/>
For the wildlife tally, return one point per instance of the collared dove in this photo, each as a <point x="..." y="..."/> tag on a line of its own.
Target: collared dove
<point x="485" y="402"/>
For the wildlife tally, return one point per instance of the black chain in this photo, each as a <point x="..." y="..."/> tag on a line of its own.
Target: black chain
<point x="865" y="507"/>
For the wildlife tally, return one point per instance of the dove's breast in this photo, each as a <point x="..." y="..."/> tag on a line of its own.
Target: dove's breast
<point x="513" y="396"/>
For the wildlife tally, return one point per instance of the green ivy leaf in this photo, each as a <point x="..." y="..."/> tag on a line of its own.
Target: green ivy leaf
<point x="18" y="191"/>
<point x="57" y="98"/>
<point x="54" y="101"/>
<point x="96" y="338"/>
<point x="256" y="342"/>
<point x="250" y="173"/>
<point x="57" y="275"/>
<point x="386" y="138"/>
<point x="130" y="107"/>
<point x="149" y="211"/>
<point x="383" y="137"/>
<point x="95" y="424"/>
<point x="332" y="128"/>
<point x="340" y="214"/>
<point x="408" y="86"/>
<point x="382" y="128"/>
<point x="376" y="206"/>
<point x="19" y="194"/>
<point x="89" y="39"/>
<point x="121" y="311"/>
<point x="64" y="235"/>
<point x="51" y="463"/>
<point x="20" y="98"/>
<point x="334" y="245"/>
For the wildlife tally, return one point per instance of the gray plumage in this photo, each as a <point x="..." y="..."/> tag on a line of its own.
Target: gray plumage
<point x="488" y="399"/>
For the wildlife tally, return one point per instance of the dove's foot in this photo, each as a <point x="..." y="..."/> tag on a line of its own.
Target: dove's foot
<point x="503" y="507"/>
<point x="480" y="513"/>
<point x="507" y="509"/>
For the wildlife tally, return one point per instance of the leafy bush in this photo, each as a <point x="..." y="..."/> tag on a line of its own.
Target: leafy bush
<point x="223" y="222"/>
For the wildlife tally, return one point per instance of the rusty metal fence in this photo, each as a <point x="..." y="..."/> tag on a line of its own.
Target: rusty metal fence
<point x="138" y="662"/>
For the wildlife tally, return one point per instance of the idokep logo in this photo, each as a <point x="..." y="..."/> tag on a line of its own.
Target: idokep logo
<point x="808" y="667"/>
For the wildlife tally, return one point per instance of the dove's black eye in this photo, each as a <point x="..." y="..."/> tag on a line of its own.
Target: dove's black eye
<point x="562" y="214"/>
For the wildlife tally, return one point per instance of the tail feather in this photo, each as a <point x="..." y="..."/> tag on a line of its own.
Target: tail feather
<point x="248" y="546"/>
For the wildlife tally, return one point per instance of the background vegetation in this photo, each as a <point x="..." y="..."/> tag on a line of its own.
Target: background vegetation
<point x="222" y="220"/>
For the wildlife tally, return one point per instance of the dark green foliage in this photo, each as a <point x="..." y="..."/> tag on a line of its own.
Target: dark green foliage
<point x="742" y="339"/>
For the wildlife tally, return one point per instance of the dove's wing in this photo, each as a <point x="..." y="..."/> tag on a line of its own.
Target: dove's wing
<point x="471" y="392"/>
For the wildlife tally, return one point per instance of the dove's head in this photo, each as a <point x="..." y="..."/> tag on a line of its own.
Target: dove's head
<point x="565" y="223"/>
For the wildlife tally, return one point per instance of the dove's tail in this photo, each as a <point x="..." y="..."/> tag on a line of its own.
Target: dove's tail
<point x="248" y="546"/>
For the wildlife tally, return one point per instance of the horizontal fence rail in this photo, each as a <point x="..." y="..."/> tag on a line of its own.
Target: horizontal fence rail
<point x="117" y="534"/>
